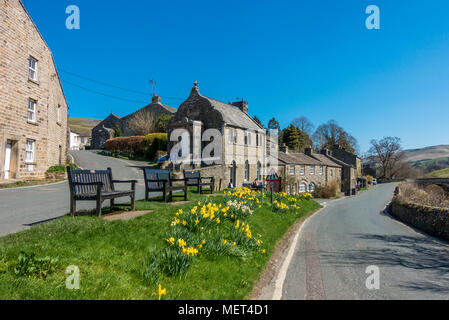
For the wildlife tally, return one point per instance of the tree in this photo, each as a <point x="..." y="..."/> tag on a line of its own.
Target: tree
<point x="258" y="121"/>
<point x="143" y="123"/>
<point x="387" y="152"/>
<point x="117" y="131"/>
<point x="295" y="139"/>
<point x="303" y="124"/>
<point x="331" y="134"/>
<point x="162" y="123"/>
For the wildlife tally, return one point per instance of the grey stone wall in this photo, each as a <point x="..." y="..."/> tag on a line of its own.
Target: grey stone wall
<point x="433" y="221"/>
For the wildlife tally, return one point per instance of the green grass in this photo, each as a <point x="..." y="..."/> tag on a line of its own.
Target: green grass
<point x="110" y="257"/>
<point x="444" y="173"/>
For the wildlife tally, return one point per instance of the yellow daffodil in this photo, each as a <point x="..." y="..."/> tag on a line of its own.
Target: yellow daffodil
<point x="161" y="292"/>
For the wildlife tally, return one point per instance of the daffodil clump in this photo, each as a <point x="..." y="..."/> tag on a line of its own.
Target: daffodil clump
<point x="289" y="203"/>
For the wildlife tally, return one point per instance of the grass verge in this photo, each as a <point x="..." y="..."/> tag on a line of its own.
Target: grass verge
<point x="110" y="257"/>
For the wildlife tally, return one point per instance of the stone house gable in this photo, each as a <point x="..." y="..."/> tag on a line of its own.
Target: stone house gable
<point x="30" y="142"/>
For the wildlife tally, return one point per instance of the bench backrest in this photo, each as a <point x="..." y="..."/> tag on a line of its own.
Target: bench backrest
<point x="88" y="176"/>
<point x="192" y="177"/>
<point x="154" y="178"/>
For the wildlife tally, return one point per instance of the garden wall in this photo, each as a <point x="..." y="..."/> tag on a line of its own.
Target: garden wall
<point x="433" y="221"/>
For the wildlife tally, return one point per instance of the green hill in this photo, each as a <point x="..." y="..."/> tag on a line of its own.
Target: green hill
<point x="438" y="174"/>
<point x="83" y="125"/>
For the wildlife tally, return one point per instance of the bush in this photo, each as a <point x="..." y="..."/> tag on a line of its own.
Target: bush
<point x="62" y="168"/>
<point x="433" y="195"/>
<point x="138" y="146"/>
<point x="327" y="191"/>
<point x="128" y="145"/>
<point x="153" y="143"/>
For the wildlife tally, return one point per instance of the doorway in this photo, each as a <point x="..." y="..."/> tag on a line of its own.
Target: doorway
<point x="7" y="166"/>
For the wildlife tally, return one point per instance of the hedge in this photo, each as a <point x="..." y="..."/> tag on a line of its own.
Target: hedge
<point x="139" y="146"/>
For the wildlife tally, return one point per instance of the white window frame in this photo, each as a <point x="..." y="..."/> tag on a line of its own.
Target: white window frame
<point x="303" y="187"/>
<point x="312" y="170"/>
<point x="303" y="170"/>
<point x="259" y="171"/>
<point x="294" y="189"/>
<point x="247" y="173"/>
<point x="311" y="187"/>
<point x="292" y="170"/>
<point x="30" y="151"/>
<point x="33" y="111"/>
<point x="33" y="71"/>
<point x="321" y="170"/>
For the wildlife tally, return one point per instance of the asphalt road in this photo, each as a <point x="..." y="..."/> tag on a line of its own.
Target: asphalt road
<point x="337" y="245"/>
<point x="24" y="207"/>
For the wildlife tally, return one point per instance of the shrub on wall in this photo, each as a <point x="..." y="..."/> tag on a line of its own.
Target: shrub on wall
<point x="128" y="145"/>
<point x="326" y="191"/>
<point x="139" y="146"/>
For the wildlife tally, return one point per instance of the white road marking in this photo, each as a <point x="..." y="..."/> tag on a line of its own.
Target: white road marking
<point x="282" y="275"/>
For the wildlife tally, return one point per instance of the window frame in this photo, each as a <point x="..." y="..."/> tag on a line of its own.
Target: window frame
<point x="292" y="173"/>
<point x="247" y="171"/>
<point x="31" y="151"/>
<point x="32" y="70"/>
<point x="303" y="184"/>
<point x="321" y="170"/>
<point x="33" y="112"/>
<point x="303" y="170"/>
<point x="312" y="170"/>
<point x="312" y="187"/>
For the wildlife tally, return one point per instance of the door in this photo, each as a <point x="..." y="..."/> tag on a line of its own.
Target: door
<point x="8" y="159"/>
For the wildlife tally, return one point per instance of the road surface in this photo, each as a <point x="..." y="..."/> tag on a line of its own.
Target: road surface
<point x="337" y="245"/>
<point x="24" y="207"/>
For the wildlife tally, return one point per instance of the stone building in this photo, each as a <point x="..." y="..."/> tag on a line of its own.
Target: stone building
<point x="303" y="172"/>
<point x="33" y="108"/>
<point x="347" y="157"/>
<point x="241" y="154"/>
<point x="105" y="129"/>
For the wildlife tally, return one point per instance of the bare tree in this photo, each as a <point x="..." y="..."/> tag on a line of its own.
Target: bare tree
<point x="331" y="134"/>
<point x="303" y="124"/>
<point x="388" y="153"/>
<point x="143" y="123"/>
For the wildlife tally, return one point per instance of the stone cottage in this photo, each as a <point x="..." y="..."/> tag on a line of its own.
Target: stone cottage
<point x="33" y="108"/>
<point x="304" y="172"/>
<point x="242" y="141"/>
<point x="105" y="129"/>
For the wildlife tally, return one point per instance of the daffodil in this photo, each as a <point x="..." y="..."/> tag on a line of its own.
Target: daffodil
<point x="161" y="292"/>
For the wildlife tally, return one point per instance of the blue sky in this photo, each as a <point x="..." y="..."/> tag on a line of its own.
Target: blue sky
<point x="286" y="58"/>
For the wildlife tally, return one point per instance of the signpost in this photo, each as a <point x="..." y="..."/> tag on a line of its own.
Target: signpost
<point x="272" y="178"/>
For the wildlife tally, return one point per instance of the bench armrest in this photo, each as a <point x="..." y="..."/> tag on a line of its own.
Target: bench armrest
<point x="208" y="178"/>
<point x="87" y="183"/>
<point x="178" y="180"/>
<point x="133" y="183"/>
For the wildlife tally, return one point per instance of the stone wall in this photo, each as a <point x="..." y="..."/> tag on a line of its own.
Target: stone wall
<point x="433" y="221"/>
<point x="20" y="40"/>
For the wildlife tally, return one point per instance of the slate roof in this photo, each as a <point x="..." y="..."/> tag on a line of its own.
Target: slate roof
<point x="233" y="116"/>
<point x="325" y="160"/>
<point x="298" y="158"/>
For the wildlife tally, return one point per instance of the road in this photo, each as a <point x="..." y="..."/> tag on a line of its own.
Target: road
<point x="337" y="245"/>
<point x="24" y="207"/>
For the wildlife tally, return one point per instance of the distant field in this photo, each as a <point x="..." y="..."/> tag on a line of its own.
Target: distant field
<point x="83" y="125"/>
<point x="438" y="174"/>
<point x="429" y="153"/>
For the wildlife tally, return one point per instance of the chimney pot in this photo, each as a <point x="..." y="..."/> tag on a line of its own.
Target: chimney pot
<point x="156" y="99"/>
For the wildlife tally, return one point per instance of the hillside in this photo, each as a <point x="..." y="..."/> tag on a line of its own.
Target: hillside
<point x="428" y="153"/>
<point x="83" y="125"/>
<point x="438" y="174"/>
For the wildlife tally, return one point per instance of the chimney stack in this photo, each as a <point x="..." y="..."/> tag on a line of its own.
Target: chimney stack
<point x="326" y="152"/>
<point x="308" y="151"/>
<point x="156" y="99"/>
<point x="242" y="105"/>
<point x="284" y="148"/>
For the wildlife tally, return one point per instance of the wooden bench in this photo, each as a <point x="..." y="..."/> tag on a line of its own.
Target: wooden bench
<point x="157" y="180"/>
<point x="194" y="179"/>
<point x="96" y="185"/>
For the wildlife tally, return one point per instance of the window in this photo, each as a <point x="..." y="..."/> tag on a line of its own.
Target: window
<point x="58" y="114"/>
<point x="311" y="187"/>
<point x="321" y="170"/>
<point x="32" y="69"/>
<point x="259" y="171"/>
<point x="32" y="110"/>
<point x="332" y="173"/>
<point x="312" y="170"/>
<point x="257" y="140"/>
<point x="302" y="188"/>
<point x="247" y="171"/>
<point x="30" y="150"/>
<point x="319" y="185"/>
<point x="288" y="189"/>
<point x="247" y="138"/>
<point x="303" y="170"/>
<point x="292" y="170"/>
<point x="234" y="139"/>
<point x="294" y="189"/>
